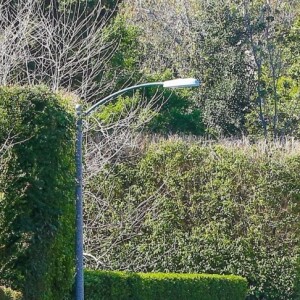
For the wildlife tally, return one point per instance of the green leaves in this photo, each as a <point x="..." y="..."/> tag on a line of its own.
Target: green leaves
<point x="147" y="286"/>
<point x="36" y="253"/>
<point x="215" y="209"/>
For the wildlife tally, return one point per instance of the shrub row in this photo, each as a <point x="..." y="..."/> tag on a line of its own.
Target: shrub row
<point x="37" y="193"/>
<point x="189" y="208"/>
<point x="100" y="285"/>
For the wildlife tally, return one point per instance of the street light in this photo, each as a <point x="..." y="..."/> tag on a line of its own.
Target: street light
<point x="176" y="83"/>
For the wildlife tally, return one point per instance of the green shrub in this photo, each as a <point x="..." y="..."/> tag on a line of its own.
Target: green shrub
<point x="149" y="286"/>
<point x="36" y="208"/>
<point x="190" y="208"/>
<point x="9" y="294"/>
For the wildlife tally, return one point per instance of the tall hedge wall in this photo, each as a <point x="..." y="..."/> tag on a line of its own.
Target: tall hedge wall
<point x="192" y="208"/>
<point x="159" y="286"/>
<point x="36" y="206"/>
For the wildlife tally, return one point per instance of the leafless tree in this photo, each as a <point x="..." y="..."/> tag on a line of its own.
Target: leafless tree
<point x="63" y="47"/>
<point x="106" y="145"/>
<point x="15" y="36"/>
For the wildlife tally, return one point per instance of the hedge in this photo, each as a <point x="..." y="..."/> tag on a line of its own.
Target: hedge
<point x="37" y="204"/>
<point x="101" y="285"/>
<point x="187" y="207"/>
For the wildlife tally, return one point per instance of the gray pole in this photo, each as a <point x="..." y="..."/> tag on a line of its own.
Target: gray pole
<point x="79" y="288"/>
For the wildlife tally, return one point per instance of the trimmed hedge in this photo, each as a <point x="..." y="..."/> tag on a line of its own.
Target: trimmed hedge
<point x="37" y="204"/>
<point x="101" y="285"/>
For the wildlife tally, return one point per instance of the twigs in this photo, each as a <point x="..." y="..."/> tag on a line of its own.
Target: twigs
<point x="64" y="47"/>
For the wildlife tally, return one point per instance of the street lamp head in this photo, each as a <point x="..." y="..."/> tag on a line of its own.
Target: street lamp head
<point x="181" y="83"/>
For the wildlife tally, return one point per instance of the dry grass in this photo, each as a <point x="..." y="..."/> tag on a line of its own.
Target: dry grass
<point x="279" y="148"/>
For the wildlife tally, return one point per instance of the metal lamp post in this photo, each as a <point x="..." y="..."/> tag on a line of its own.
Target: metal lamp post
<point x="176" y="83"/>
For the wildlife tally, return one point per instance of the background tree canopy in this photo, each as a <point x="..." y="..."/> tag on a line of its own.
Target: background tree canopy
<point x="242" y="51"/>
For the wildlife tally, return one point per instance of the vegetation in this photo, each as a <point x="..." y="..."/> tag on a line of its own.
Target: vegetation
<point x="187" y="207"/>
<point x="190" y="205"/>
<point x="148" y="286"/>
<point x="37" y="211"/>
<point x="239" y="49"/>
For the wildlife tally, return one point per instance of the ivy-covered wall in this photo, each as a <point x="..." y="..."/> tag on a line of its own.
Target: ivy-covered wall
<point x="37" y="202"/>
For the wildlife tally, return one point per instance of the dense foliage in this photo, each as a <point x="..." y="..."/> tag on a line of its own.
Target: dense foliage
<point x="183" y="207"/>
<point x="149" y="286"/>
<point x="243" y="51"/>
<point x="37" y="192"/>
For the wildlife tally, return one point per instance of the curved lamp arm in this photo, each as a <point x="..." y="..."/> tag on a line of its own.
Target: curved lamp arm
<point x="175" y="83"/>
<point x="114" y="95"/>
